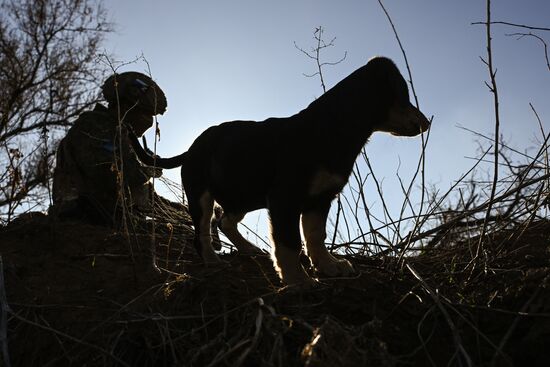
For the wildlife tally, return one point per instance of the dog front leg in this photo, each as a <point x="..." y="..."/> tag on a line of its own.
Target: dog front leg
<point x="314" y="228"/>
<point x="287" y="244"/>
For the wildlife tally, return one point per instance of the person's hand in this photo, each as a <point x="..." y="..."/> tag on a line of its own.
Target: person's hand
<point x="155" y="172"/>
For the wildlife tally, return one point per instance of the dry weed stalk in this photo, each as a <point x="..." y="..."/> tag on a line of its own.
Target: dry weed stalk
<point x="494" y="90"/>
<point x="315" y="54"/>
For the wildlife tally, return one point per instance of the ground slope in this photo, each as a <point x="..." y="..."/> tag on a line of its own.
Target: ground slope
<point x="84" y="295"/>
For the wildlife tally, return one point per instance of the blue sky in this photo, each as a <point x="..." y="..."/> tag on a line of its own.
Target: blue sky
<point x="225" y="60"/>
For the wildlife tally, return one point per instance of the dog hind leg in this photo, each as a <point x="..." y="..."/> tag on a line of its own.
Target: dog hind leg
<point x="201" y="210"/>
<point x="214" y="225"/>
<point x="228" y="225"/>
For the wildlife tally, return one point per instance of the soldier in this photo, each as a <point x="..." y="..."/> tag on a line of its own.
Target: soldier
<point x="97" y="173"/>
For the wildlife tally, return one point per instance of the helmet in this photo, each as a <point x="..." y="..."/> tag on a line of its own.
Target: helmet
<point x="135" y="88"/>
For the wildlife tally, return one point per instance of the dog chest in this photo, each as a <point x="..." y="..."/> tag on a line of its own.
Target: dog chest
<point x="324" y="182"/>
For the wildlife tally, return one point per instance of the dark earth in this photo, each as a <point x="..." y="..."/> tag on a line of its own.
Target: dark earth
<point x="82" y="295"/>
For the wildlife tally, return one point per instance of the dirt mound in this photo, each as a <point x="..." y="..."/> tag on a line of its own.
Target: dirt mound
<point x="84" y="295"/>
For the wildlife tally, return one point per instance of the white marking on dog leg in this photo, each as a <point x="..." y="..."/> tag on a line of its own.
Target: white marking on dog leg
<point x="229" y="228"/>
<point x="313" y="227"/>
<point x="205" y="236"/>
<point x="287" y="263"/>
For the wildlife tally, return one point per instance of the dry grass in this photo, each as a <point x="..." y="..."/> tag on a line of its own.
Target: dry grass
<point x="76" y="297"/>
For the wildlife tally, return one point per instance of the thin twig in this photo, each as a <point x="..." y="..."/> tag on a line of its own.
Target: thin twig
<point x="493" y="88"/>
<point x="512" y="327"/>
<point x="521" y="35"/>
<point x="71" y="338"/>
<point x="153" y="196"/>
<point x="452" y="327"/>
<point x="488" y="22"/>
<point x="422" y="159"/>
<point x="402" y="51"/>
<point x="315" y="55"/>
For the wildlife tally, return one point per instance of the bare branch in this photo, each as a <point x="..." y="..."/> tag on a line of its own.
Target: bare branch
<point x="315" y="54"/>
<point x="522" y="35"/>
<point x="49" y="74"/>
<point x="494" y="90"/>
<point x="402" y="51"/>
<point x="488" y="23"/>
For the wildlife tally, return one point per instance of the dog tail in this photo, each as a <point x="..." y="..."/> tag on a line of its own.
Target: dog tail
<point x="167" y="163"/>
<point x="147" y="157"/>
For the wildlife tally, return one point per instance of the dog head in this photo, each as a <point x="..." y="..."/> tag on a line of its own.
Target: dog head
<point x="389" y="95"/>
<point x="375" y="97"/>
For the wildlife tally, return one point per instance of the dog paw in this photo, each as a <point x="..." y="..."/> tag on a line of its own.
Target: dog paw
<point x="334" y="267"/>
<point x="297" y="277"/>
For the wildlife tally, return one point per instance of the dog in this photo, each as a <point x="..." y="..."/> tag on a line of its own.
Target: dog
<point x="293" y="166"/>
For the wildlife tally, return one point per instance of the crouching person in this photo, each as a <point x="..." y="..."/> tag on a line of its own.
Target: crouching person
<point x="97" y="175"/>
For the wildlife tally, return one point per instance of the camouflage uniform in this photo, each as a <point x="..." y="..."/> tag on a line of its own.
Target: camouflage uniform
<point x="92" y="160"/>
<point x="95" y="159"/>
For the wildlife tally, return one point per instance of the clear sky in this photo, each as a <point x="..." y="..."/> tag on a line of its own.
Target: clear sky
<point x="225" y="60"/>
